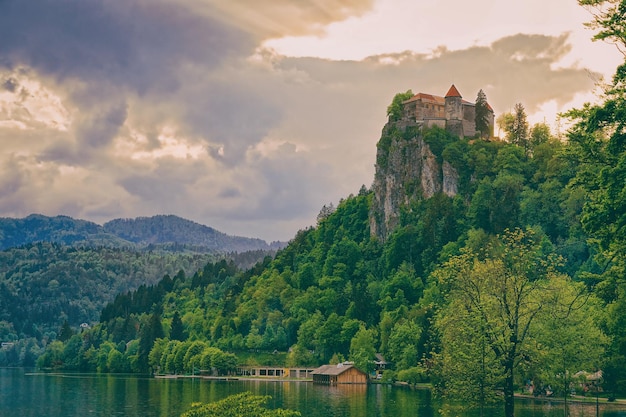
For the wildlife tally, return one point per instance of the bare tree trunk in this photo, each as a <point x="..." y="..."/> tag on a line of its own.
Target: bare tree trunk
<point x="509" y="394"/>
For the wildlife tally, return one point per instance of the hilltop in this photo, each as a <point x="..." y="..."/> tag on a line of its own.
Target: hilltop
<point x="165" y="232"/>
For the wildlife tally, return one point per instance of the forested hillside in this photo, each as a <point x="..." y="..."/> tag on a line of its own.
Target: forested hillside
<point x="338" y="293"/>
<point x="59" y="229"/>
<point x="56" y="270"/>
<point x="170" y="233"/>
<point x="45" y="285"/>
<point x="160" y="230"/>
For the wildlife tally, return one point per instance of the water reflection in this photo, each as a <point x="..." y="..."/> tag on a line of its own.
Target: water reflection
<point x="64" y="395"/>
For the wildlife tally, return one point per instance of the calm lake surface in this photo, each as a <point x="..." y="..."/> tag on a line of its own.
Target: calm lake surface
<point x="26" y="394"/>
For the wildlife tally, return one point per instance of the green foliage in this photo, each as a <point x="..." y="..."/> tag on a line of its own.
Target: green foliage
<point x="608" y="19"/>
<point x="335" y="292"/>
<point x="66" y="332"/>
<point x="505" y="122"/>
<point x="148" y="333"/>
<point x="538" y="134"/>
<point x="163" y="233"/>
<point x="390" y="134"/>
<point x="44" y="285"/>
<point x="412" y="376"/>
<point x="177" y="331"/>
<point x="468" y="369"/>
<point x="598" y="149"/>
<point x="437" y="140"/>
<point x="395" y="110"/>
<point x="519" y="129"/>
<point x="363" y="349"/>
<point x="499" y="304"/>
<point x="404" y="344"/>
<point x="482" y="118"/>
<point x="569" y="339"/>
<point x="245" y="404"/>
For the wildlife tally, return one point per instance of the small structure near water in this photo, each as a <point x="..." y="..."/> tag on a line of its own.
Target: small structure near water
<point x="343" y="373"/>
<point x="274" y="372"/>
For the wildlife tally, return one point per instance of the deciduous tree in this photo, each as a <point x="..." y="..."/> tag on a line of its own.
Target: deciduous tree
<point x="362" y="349"/>
<point x="598" y="141"/>
<point x="395" y="109"/>
<point x="501" y="292"/>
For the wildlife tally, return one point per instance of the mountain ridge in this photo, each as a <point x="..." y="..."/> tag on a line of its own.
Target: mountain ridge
<point x="168" y="232"/>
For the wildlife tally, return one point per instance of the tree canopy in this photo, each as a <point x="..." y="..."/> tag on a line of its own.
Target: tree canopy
<point x="245" y="404"/>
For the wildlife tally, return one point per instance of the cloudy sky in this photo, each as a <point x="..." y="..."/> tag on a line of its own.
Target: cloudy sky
<point x="249" y="115"/>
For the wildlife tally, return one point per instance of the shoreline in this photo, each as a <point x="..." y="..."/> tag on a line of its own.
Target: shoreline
<point x="575" y="399"/>
<point x="233" y="378"/>
<point x="578" y="399"/>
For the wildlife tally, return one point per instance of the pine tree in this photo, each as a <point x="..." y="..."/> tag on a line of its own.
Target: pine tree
<point x="482" y="114"/>
<point x="148" y="333"/>
<point x="66" y="332"/>
<point x="177" y="331"/>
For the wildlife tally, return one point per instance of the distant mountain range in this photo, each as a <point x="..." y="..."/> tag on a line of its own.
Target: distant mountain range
<point x="166" y="232"/>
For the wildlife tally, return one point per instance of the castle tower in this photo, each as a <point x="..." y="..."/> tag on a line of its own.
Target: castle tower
<point x="454" y="104"/>
<point x="454" y="112"/>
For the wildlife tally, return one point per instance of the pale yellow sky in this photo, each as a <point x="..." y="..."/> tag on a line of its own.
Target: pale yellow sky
<point x="425" y="26"/>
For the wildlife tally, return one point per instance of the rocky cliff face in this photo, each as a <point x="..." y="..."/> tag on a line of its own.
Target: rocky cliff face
<point x="406" y="169"/>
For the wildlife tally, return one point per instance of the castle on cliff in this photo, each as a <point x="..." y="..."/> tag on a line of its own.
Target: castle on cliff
<point x="450" y="112"/>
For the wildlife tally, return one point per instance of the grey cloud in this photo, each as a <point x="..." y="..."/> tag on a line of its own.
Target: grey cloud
<point x="512" y="69"/>
<point x="229" y="192"/>
<point x="62" y="152"/>
<point x="328" y="115"/>
<point x="102" y="125"/>
<point x="532" y="47"/>
<point x="167" y="183"/>
<point x="11" y="179"/>
<point x="283" y="187"/>
<point x="10" y="84"/>
<point x="106" y="54"/>
<point x="295" y="187"/>
<point x="107" y="210"/>
<point x="231" y="114"/>
<point x="138" y="44"/>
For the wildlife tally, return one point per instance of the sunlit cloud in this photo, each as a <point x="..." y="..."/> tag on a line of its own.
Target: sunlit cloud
<point x="248" y="116"/>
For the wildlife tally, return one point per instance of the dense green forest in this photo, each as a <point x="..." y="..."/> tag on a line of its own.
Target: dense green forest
<point x="336" y="293"/>
<point x="165" y="233"/>
<point x="517" y="280"/>
<point x="44" y="285"/>
<point x="59" y="269"/>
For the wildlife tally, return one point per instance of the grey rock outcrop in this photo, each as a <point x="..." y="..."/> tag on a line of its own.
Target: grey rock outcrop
<point x="406" y="169"/>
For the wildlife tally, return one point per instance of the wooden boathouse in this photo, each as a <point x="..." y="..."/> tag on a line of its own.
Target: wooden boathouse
<point x="343" y="373"/>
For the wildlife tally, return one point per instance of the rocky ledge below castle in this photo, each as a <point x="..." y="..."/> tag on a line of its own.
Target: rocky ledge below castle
<point x="406" y="169"/>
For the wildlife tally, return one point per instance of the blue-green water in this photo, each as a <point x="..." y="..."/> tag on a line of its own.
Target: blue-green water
<point x="25" y="394"/>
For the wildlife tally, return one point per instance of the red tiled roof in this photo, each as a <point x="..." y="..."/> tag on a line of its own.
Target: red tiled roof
<point x="453" y="92"/>
<point x="426" y="98"/>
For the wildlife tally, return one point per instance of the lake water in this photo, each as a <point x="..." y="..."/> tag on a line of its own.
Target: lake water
<point x="26" y="394"/>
